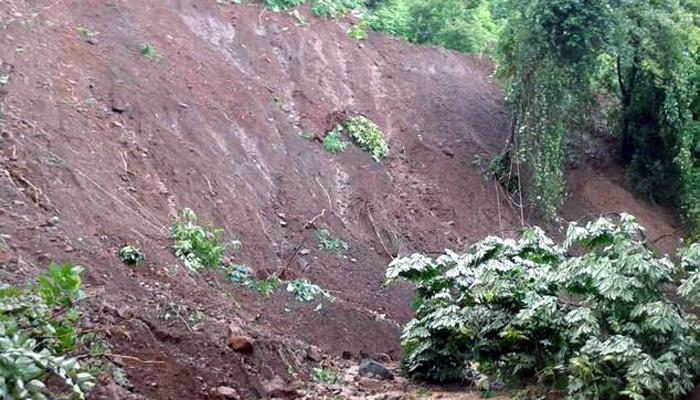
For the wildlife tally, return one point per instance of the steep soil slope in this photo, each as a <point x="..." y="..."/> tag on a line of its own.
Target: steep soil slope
<point x="102" y="146"/>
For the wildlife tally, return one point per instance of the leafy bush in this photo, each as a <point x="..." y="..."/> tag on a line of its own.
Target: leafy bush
<point x="132" y="255"/>
<point x="306" y="291"/>
<point x="198" y="247"/>
<point x="333" y="143"/>
<point x="359" y="31"/>
<point x="588" y="315"/>
<point x="368" y="136"/>
<point x="37" y="329"/>
<point x="282" y="5"/>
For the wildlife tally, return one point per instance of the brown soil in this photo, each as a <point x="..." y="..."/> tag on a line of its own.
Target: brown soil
<point x="101" y="146"/>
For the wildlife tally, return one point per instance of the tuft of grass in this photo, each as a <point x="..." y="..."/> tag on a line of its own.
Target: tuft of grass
<point x="333" y="143"/>
<point x="132" y="255"/>
<point x="150" y="52"/>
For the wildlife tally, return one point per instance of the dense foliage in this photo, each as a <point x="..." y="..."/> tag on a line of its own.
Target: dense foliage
<point x="37" y="330"/>
<point x="454" y="24"/>
<point x="556" y="56"/>
<point x="587" y="316"/>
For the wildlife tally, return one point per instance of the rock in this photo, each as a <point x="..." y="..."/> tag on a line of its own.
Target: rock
<point x="283" y="223"/>
<point x="369" y="383"/>
<point x="304" y="252"/>
<point x="237" y="339"/>
<point x="241" y="344"/>
<point x="372" y="369"/>
<point x="314" y="354"/>
<point x="279" y="389"/>
<point x="226" y="392"/>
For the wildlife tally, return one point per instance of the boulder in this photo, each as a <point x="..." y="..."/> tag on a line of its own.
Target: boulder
<point x="373" y="369"/>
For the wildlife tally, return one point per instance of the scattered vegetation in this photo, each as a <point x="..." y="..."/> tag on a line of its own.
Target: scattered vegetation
<point x="282" y="5"/>
<point x="302" y="289"/>
<point x="327" y="376"/>
<point x="38" y="329"/>
<point x="243" y="276"/>
<point x="150" y="52"/>
<point x="330" y="244"/>
<point x="588" y="316"/>
<point x="132" y="255"/>
<point x="198" y="247"/>
<point x="334" y="9"/>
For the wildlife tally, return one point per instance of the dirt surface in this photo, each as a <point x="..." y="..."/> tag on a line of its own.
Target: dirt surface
<point x="102" y="146"/>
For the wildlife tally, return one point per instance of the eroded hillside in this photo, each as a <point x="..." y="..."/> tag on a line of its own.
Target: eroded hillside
<point x="102" y="146"/>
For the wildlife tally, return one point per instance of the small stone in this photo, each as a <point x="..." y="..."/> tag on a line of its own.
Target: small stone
<point x="353" y="260"/>
<point x="373" y="369"/>
<point x="92" y="40"/>
<point x="304" y="252"/>
<point x="283" y="223"/>
<point x="314" y="354"/>
<point x="369" y="383"/>
<point x="282" y="216"/>
<point x="226" y="392"/>
<point x="68" y="249"/>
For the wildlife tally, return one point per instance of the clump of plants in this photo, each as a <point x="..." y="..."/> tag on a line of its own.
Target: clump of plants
<point x="197" y="246"/>
<point x="333" y="142"/>
<point x="243" y="276"/>
<point x="38" y="329"/>
<point x="587" y="316"/>
<point x="365" y="133"/>
<point x="132" y="255"/>
<point x="330" y="244"/>
<point x="306" y="291"/>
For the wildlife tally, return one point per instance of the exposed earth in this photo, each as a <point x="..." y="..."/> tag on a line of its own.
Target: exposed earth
<point x="101" y="147"/>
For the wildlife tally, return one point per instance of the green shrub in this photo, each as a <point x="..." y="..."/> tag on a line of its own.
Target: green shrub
<point x="37" y="330"/>
<point x="198" y="247"/>
<point x="368" y="136"/>
<point x="132" y="255"/>
<point x="359" y="31"/>
<point x="282" y="5"/>
<point x="327" y="376"/>
<point x="333" y="143"/>
<point x="306" y="291"/>
<point x="588" y="316"/>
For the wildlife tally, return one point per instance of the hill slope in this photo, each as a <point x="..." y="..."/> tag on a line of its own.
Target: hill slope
<point x="102" y="146"/>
